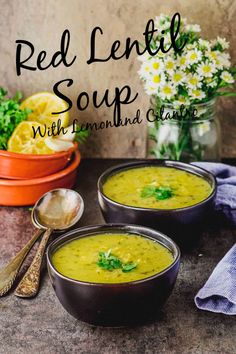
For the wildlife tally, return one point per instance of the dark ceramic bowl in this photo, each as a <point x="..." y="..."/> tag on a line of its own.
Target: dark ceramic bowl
<point x="121" y="304"/>
<point x="177" y="223"/>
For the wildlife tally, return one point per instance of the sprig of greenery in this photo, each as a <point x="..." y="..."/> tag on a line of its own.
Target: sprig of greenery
<point x="110" y="262"/>
<point x="10" y="116"/>
<point x="81" y="135"/>
<point x="159" y="193"/>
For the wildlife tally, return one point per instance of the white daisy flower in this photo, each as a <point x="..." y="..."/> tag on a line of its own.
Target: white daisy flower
<point x="158" y="80"/>
<point x="193" y="81"/>
<point x="145" y="70"/>
<point x="212" y="82"/>
<point x="193" y="28"/>
<point x="197" y="94"/>
<point x="182" y="62"/>
<point x="227" y="77"/>
<point x="200" y="66"/>
<point x="193" y="56"/>
<point x="162" y="22"/>
<point x="170" y="65"/>
<point x="213" y="54"/>
<point x="181" y="100"/>
<point x="222" y="41"/>
<point x="150" y="89"/>
<point x="204" y="44"/>
<point x="223" y="60"/>
<point x="177" y="77"/>
<point x="189" y="47"/>
<point x="156" y="65"/>
<point x="167" y="91"/>
<point x="154" y="83"/>
<point x="206" y="69"/>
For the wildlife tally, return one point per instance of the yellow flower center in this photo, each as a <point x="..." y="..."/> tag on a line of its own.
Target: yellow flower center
<point x="206" y="69"/>
<point x="182" y="61"/>
<point x="177" y="77"/>
<point x="193" y="56"/>
<point x="226" y="77"/>
<point x="213" y="55"/>
<point x="196" y="93"/>
<point x="169" y="65"/>
<point x="156" y="66"/>
<point x="167" y="90"/>
<point x="193" y="81"/>
<point x="156" y="79"/>
<point x="147" y="68"/>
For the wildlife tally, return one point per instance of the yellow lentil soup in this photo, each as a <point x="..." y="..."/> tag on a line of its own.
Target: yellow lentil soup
<point x="156" y="188"/>
<point x="111" y="258"/>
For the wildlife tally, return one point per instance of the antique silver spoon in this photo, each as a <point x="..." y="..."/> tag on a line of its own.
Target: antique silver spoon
<point x="56" y="210"/>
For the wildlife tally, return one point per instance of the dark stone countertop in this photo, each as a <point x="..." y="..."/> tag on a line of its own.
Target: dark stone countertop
<point x="41" y="325"/>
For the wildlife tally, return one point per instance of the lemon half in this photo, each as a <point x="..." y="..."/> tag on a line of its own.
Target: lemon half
<point x="23" y="141"/>
<point x="42" y="105"/>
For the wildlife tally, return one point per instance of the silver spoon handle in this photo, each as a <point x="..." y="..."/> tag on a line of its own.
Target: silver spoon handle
<point x="9" y="272"/>
<point x="29" y="285"/>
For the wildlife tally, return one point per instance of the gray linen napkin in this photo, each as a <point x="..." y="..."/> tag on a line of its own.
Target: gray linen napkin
<point x="225" y="202"/>
<point x="219" y="292"/>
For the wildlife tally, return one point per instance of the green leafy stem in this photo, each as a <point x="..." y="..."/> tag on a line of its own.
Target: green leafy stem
<point x="110" y="262"/>
<point x="159" y="193"/>
<point x="10" y="116"/>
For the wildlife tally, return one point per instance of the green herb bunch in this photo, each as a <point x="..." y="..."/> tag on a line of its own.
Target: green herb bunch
<point x="159" y="193"/>
<point x="110" y="262"/>
<point x="10" y="116"/>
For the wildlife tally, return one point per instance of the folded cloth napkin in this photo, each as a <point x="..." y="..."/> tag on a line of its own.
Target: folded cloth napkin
<point x="226" y="188"/>
<point x="219" y="292"/>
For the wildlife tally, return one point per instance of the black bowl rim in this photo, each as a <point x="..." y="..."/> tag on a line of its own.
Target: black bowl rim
<point x="94" y="228"/>
<point x="167" y="163"/>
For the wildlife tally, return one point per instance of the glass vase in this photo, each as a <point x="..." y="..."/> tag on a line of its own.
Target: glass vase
<point x="184" y="133"/>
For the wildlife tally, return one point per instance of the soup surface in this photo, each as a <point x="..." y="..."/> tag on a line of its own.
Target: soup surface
<point x="156" y="187"/>
<point x="134" y="257"/>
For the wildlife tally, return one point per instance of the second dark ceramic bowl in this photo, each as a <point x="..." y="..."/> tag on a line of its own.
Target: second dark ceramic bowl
<point x="120" y="304"/>
<point x="177" y="223"/>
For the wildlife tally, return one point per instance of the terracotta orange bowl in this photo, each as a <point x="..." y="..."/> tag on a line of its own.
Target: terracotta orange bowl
<point x="27" y="166"/>
<point x="27" y="192"/>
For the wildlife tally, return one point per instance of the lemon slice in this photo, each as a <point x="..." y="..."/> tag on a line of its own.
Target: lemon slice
<point x="23" y="141"/>
<point x="42" y="105"/>
<point x="58" y="145"/>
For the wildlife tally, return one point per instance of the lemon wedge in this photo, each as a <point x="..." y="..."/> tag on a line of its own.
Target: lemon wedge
<point x="23" y="141"/>
<point x="42" y="105"/>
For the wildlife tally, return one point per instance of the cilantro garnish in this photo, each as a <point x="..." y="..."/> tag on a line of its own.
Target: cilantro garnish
<point x="110" y="262"/>
<point x="159" y="193"/>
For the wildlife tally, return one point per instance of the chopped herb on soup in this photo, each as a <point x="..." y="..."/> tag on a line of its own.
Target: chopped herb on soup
<point x="156" y="187"/>
<point x="111" y="258"/>
<point x="159" y="193"/>
<point x="109" y="262"/>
